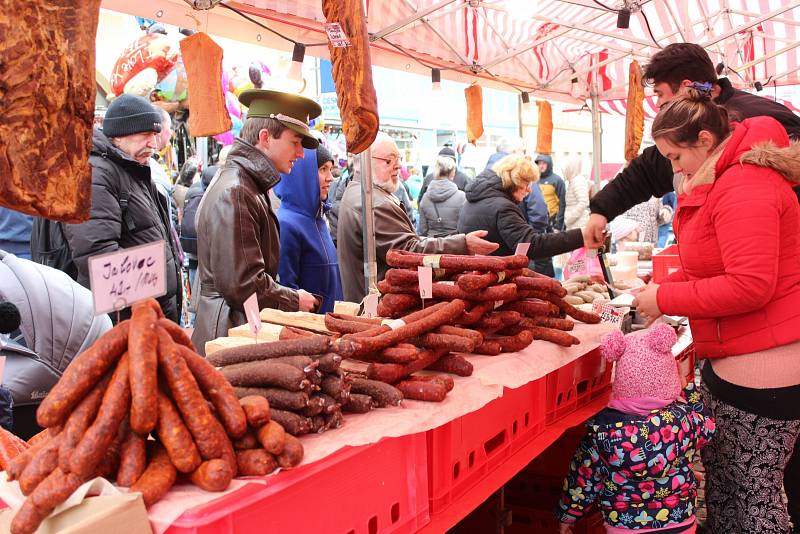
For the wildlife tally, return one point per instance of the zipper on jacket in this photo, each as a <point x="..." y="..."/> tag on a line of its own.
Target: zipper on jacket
<point x="719" y="331"/>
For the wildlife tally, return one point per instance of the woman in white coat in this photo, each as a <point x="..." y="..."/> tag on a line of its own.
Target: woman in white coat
<point x="576" y="214"/>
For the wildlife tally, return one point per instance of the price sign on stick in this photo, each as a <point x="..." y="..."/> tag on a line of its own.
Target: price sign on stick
<point x="336" y="35"/>
<point x="522" y="249"/>
<point x="425" y="282"/>
<point x="610" y="314"/>
<point x="251" y="311"/>
<point x="371" y="305"/>
<point x="119" y="279"/>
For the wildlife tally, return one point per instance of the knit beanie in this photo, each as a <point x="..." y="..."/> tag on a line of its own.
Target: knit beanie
<point x="130" y="114"/>
<point x="323" y="156"/>
<point x="645" y="364"/>
<point x="448" y="152"/>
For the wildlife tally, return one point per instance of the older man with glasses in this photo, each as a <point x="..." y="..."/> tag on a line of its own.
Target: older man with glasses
<point x="393" y="229"/>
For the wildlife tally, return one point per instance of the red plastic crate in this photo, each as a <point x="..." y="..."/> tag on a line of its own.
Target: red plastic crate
<point x="464" y="451"/>
<point x="592" y="376"/>
<point x="553" y="462"/>
<point x="686" y="362"/>
<point x="576" y="384"/>
<point x="665" y="263"/>
<point x="381" y="487"/>
<point x="562" y="398"/>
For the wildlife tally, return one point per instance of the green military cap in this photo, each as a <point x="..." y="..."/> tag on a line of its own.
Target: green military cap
<point x="293" y="111"/>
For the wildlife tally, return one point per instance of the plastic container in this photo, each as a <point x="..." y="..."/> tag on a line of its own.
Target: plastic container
<point x="665" y="263"/>
<point x="562" y="397"/>
<point x="464" y="451"/>
<point x="686" y="363"/>
<point x="576" y="384"/>
<point x="381" y="487"/>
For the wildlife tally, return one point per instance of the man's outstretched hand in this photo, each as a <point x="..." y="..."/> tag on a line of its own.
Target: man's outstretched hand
<point x="477" y="245"/>
<point x="594" y="234"/>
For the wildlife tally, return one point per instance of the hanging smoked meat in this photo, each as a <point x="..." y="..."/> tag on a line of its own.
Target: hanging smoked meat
<point x="544" y="132"/>
<point x="203" y="60"/>
<point x="47" y="94"/>
<point x="634" y="117"/>
<point x="352" y="74"/>
<point x="474" y="96"/>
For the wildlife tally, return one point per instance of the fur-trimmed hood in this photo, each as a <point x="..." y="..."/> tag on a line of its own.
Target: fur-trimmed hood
<point x="760" y="141"/>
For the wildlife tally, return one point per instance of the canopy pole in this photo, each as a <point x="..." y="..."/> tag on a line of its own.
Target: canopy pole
<point x="597" y="134"/>
<point x="368" y="221"/>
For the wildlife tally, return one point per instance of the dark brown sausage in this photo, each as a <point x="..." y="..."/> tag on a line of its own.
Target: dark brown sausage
<point x="288" y="332"/>
<point x="175" y="437"/>
<point x="143" y="362"/>
<point x="189" y="400"/>
<point x="278" y="398"/>
<point x="327" y="363"/>
<point x="316" y="344"/>
<point x="335" y="323"/>
<point x="256" y="409"/>
<point x="218" y="390"/>
<point x="82" y="374"/>
<point x="255" y="462"/>
<point x="294" y="424"/>
<point x="337" y="387"/>
<point x="382" y="394"/>
<point x="358" y="403"/>
<point x="114" y="407"/>
<point x="132" y="459"/>
<point x="422" y="390"/>
<point x="212" y="475"/>
<point x="158" y="477"/>
<point x="454" y="343"/>
<point x="266" y="373"/>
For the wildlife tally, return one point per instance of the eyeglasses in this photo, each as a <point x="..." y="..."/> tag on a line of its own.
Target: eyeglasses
<point x="389" y="161"/>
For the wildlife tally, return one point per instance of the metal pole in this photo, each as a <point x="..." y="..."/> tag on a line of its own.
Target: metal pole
<point x="597" y="133"/>
<point x="364" y="168"/>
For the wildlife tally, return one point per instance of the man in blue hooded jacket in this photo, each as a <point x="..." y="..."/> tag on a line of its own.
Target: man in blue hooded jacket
<point x="308" y="257"/>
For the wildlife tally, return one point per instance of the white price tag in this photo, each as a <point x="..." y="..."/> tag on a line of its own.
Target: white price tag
<point x="336" y="35"/>
<point x="252" y="313"/>
<point x="119" y="279"/>
<point x="371" y="305"/>
<point x="522" y="249"/>
<point x="425" y="282"/>
<point x="609" y="314"/>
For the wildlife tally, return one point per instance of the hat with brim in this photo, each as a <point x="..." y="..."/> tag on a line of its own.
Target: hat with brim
<point x="293" y="111"/>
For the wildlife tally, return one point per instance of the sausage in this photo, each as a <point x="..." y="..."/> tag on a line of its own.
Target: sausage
<point x="294" y="424"/>
<point x="177" y="333"/>
<point x="329" y="404"/>
<point x="40" y="466"/>
<point x="403" y="258"/>
<point x="212" y="475"/>
<point x="278" y="398"/>
<point x="27" y="519"/>
<point x="46" y="433"/>
<point x="175" y="437"/>
<point x="515" y="343"/>
<point x="292" y="453"/>
<point x="476" y="281"/>
<point x="218" y="390"/>
<point x="453" y="364"/>
<point x="336" y="323"/>
<point x="444" y="291"/>
<point x="393" y="372"/>
<point x="255" y="462"/>
<point x="190" y="402"/>
<point x="304" y="363"/>
<point x="489" y="348"/>
<point x="82" y="374"/>
<point x="540" y="284"/>
<point x="18" y="463"/>
<point x="337" y="387"/>
<point x="132" y="459"/>
<point x="327" y="363"/>
<point x="248" y="441"/>
<point x="332" y="420"/>
<point x="143" y="362"/>
<point x="382" y="394"/>
<point x="51" y="492"/>
<point x="318" y="424"/>
<point x="454" y="343"/>
<point x="272" y="437"/>
<point x="158" y="477"/>
<point x="8" y="447"/>
<point x="548" y="322"/>
<point x="289" y="332"/>
<point x="559" y="337"/>
<point x="79" y="421"/>
<point x="532" y="307"/>
<point x="109" y="463"/>
<point x="358" y="403"/>
<point x="517" y="261"/>
<point x="572" y="311"/>
<point x="422" y="390"/>
<point x="316" y="405"/>
<point x="474" y="335"/>
<point x="266" y="373"/>
<point x="316" y="344"/>
<point x="400" y="353"/>
<point x="401" y="277"/>
<point x="114" y="407"/>
<point x="475" y="313"/>
<point x="445" y="380"/>
<point x="228" y="453"/>
<point x="395" y="304"/>
<point x="256" y="410"/>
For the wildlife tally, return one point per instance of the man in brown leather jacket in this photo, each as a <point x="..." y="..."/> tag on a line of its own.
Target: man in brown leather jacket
<point x="237" y="230"/>
<point x="393" y="229"/>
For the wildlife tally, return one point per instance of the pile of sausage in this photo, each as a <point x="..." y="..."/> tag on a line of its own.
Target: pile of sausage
<point x="139" y="407"/>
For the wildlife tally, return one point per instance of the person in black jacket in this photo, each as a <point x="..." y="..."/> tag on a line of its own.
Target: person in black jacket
<point x="650" y="174"/>
<point x="493" y="199"/>
<point x="127" y="209"/>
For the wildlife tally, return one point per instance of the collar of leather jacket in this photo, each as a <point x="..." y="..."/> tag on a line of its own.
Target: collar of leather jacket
<point x="255" y="164"/>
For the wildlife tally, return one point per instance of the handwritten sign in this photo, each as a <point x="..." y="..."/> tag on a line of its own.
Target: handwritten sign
<point x="252" y="313"/>
<point x="336" y="35"/>
<point x="522" y="249"/>
<point x="371" y="305"/>
<point x="610" y="314"/>
<point x="119" y="279"/>
<point x="425" y="282"/>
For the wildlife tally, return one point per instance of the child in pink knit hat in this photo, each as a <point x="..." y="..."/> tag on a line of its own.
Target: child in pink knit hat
<point x="635" y="462"/>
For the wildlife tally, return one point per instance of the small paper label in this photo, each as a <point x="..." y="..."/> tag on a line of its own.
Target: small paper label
<point x="498" y="303"/>
<point x="119" y="279"/>
<point x="336" y="35"/>
<point x="425" y="282"/>
<point x="371" y="305"/>
<point x="501" y="276"/>
<point x="609" y="314"/>
<point x="252" y="313"/>
<point x="522" y="249"/>
<point x="394" y="324"/>
<point x="578" y="266"/>
<point x="439" y="273"/>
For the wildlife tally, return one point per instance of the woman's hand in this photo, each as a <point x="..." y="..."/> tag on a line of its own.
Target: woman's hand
<point x="646" y="303"/>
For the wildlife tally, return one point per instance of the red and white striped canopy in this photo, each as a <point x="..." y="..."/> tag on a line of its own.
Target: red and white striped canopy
<point x="541" y="45"/>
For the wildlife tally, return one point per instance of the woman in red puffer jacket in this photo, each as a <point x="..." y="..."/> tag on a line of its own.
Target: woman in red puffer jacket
<point x="738" y="226"/>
